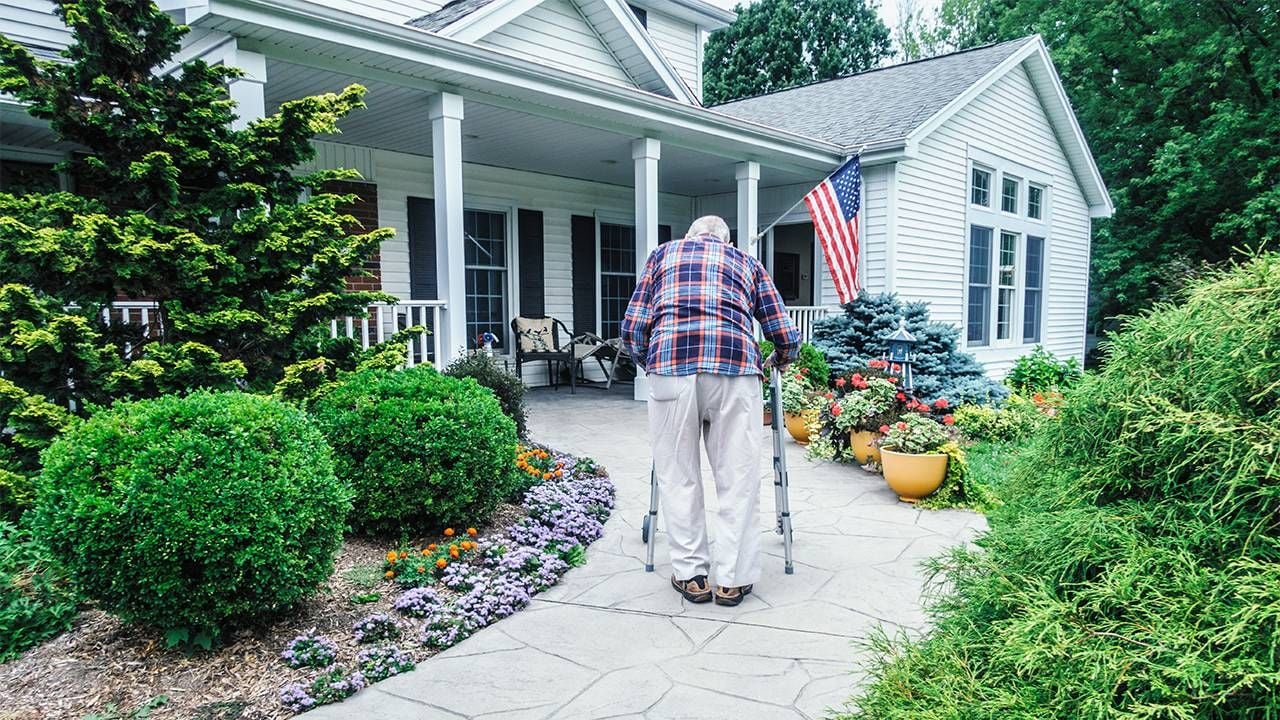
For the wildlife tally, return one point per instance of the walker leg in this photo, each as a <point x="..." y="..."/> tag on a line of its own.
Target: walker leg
<point x="651" y="520"/>
<point x="780" y="480"/>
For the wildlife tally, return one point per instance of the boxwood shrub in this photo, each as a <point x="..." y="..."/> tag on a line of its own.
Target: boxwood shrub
<point x="192" y="514"/>
<point x="508" y="388"/>
<point x="421" y="449"/>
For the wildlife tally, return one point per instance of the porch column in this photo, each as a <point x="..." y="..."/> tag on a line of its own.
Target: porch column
<point x="445" y="111"/>
<point x="748" y="176"/>
<point x="645" y="152"/>
<point x="248" y="91"/>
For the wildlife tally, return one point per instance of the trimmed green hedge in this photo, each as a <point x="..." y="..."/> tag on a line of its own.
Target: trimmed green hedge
<point x="195" y="513"/>
<point x="422" y="450"/>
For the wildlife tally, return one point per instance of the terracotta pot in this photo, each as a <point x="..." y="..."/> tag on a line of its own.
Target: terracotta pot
<point x="862" y="445"/>
<point x="798" y="425"/>
<point x="913" y="476"/>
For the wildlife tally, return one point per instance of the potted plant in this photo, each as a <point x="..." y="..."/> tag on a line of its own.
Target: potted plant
<point x="768" y="402"/>
<point x="797" y="406"/>
<point x="912" y="456"/>
<point x="866" y="406"/>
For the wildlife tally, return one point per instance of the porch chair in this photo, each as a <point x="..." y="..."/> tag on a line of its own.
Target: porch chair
<point x="539" y="339"/>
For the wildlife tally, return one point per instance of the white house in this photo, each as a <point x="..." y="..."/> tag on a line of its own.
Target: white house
<point x="530" y="153"/>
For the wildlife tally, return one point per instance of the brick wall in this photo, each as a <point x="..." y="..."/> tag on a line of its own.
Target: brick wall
<point x="365" y="211"/>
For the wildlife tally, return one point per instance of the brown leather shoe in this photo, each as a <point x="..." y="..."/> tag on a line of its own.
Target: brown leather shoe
<point x="731" y="596"/>
<point x="695" y="590"/>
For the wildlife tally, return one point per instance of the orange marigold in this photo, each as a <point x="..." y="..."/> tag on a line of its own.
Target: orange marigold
<point x="432" y="547"/>
<point x="441" y="563"/>
<point x="391" y="556"/>
<point x="472" y="532"/>
<point x="403" y="555"/>
<point x="448" y="532"/>
<point x="391" y="574"/>
<point x="421" y="569"/>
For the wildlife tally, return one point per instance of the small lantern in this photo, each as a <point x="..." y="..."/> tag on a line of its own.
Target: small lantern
<point x="899" y="356"/>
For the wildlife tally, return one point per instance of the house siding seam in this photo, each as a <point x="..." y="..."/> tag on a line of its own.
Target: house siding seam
<point x="1008" y="121"/>
<point x="32" y="22"/>
<point x="365" y="212"/>
<point x="678" y="41"/>
<point x="556" y="32"/>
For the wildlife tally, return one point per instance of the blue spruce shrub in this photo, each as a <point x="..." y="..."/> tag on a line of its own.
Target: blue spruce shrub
<point x="857" y="336"/>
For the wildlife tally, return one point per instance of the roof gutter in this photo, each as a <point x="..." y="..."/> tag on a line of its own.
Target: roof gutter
<point x="651" y="112"/>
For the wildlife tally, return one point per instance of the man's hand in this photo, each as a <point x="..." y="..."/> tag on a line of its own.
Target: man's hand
<point x="772" y="361"/>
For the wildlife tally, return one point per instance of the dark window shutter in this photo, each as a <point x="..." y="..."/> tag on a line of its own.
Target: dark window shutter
<point x="422" y="249"/>
<point x="664" y="234"/>
<point x="533" y="301"/>
<point x="582" y="235"/>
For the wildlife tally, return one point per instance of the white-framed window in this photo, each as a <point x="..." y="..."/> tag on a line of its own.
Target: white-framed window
<point x="980" y="187"/>
<point x="1008" y="194"/>
<point x="1035" y="202"/>
<point x="1007" y="253"/>
<point x="1033" y="289"/>
<point x="617" y="275"/>
<point x="485" y="257"/>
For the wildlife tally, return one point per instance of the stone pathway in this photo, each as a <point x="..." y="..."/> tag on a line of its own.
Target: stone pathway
<point x="611" y="641"/>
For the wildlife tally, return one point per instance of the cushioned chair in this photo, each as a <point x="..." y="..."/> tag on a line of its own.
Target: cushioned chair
<point x="539" y="339"/>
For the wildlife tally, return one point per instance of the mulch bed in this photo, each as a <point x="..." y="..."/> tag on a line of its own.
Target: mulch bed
<point x="103" y="661"/>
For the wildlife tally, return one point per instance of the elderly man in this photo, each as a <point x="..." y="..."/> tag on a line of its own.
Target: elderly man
<point x="690" y="326"/>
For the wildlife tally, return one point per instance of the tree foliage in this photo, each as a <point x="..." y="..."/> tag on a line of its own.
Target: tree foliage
<point x="776" y="44"/>
<point x="1181" y="105"/>
<point x="244" y="258"/>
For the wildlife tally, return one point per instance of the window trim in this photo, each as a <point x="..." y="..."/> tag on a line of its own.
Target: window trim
<point x="608" y="218"/>
<point x="1042" y="288"/>
<point x="508" y="208"/>
<point x="1044" y="202"/>
<point x="1006" y="177"/>
<point x="975" y="167"/>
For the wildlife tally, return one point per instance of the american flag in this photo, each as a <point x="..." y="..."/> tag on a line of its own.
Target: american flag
<point x="834" y="207"/>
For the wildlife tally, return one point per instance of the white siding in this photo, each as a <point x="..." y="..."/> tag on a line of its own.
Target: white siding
<point x="556" y="33"/>
<point x="400" y="175"/>
<point x="678" y="41"/>
<point x="32" y="22"/>
<point x="1008" y="121"/>
<point x="774" y="201"/>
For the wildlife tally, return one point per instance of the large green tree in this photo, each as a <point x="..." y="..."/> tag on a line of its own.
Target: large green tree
<point x="1181" y="105"/>
<point x="245" y="258"/>
<point x="776" y="44"/>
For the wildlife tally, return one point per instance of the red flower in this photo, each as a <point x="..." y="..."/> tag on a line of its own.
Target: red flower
<point x="830" y="395"/>
<point x="836" y="409"/>
<point x="948" y="420"/>
<point x="901" y="425"/>
<point x="799" y="376"/>
<point x="884" y="429"/>
<point x="877" y="364"/>
<point x="941" y="403"/>
<point x="902" y="397"/>
<point x="893" y="380"/>
<point x="839" y="382"/>
<point x="896" y="368"/>
<point x="856" y="378"/>
<point x="804" y="371"/>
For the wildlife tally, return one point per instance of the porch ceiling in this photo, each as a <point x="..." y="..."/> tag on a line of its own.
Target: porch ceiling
<point x="396" y="119"/>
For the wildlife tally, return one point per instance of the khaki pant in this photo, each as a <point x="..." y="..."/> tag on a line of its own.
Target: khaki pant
<point x="730" y="406"/>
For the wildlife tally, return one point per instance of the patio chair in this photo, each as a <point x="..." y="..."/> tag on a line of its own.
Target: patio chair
<point x="538" y="340"/>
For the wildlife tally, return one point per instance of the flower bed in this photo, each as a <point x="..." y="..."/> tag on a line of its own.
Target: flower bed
<point x="402" y="619"/>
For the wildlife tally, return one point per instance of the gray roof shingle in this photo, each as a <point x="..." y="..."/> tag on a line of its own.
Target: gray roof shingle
<point x="877" y="105"/>
<point x="447" y="15"/>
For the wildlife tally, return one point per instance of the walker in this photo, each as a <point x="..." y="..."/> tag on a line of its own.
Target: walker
<point x="648" y="528"/>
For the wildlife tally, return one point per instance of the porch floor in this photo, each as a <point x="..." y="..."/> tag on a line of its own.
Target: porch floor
<point x="612" y="641"/>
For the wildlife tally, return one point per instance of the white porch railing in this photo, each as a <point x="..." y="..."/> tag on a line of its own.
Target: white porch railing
<point x="145" y="314"/>
<point x="386" y="319"/>
<point x="804" y="316"/>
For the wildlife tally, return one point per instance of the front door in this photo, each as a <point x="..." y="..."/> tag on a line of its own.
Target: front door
<point x="793" y="262"/>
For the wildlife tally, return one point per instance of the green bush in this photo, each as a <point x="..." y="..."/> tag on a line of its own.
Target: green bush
<point x="506" y="387"/>
<point x="1017" y="419"/>
<point x="36" y="601"/>
<point x="422" y="450"/>
<point x="1041" y="371"/>
<point x="809" y="358"/>
<point x="192" y="514"/>
<point x="1134" y="571"/>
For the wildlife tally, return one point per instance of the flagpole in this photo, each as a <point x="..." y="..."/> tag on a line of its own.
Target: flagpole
<point x="760" y="235"/>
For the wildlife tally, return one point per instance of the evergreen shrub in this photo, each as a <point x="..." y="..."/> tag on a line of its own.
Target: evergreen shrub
<point x="506" y="387"/>
<point x="422" y="450"/>
<point x="192" y="514"/>
<point x="1017" y="419"/>
<point x="809" y="358"/>
<point x="1134" y="571"/>
<point x="851" y="340"/>
<point x="1042" y="371"/>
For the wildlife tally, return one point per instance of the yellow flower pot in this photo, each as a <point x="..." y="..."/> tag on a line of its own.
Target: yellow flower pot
<point x="862" y="445"/>
<point x="798" y="425"/>
<point x="913" y="477"/>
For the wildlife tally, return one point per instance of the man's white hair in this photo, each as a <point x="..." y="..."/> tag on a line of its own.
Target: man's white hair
<point x="710" y="225"/>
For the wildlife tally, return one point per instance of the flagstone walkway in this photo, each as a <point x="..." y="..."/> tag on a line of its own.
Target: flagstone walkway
<point x="612" y="641"/>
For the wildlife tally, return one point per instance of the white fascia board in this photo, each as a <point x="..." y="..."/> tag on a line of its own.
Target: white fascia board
<point x="1035" y="51"/>
<point x="694" y="11"/>
<point x="644" y="42"/>
<point x="641" y="109"/>
<point x="487" y="19"/>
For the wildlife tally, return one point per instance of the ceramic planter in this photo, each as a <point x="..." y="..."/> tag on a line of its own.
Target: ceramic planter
<point x="862" y="443"/>
<point x="798" y="425"/>
<point x="913" y="476"/>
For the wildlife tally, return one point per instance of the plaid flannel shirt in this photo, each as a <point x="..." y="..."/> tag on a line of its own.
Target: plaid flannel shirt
<point x="693" y="307"/>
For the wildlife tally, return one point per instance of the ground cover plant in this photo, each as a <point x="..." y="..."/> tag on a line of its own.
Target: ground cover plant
<point x="1133" y="570"/>
<point x="36" y="599"/>
<point x="856" y="337"/>
<point x="422" y="450"/>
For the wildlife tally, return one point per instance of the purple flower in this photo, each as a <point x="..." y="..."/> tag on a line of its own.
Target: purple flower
<point x="418" y="602"/>
<point x="309" y="650"/>
<point x="443" y="629"/>
<point x="375" y="628"/>
<point x="382" y="661"/>
<point x="295" y="698"/>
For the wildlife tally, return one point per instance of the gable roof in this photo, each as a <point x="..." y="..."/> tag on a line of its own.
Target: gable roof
<point x="611" y="20"/>
<point x="876" y="106"/>
<point x="895" y="106"/>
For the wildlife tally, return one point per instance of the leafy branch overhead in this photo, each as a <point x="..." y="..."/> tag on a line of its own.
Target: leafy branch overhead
<point x="171" y="202"/>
